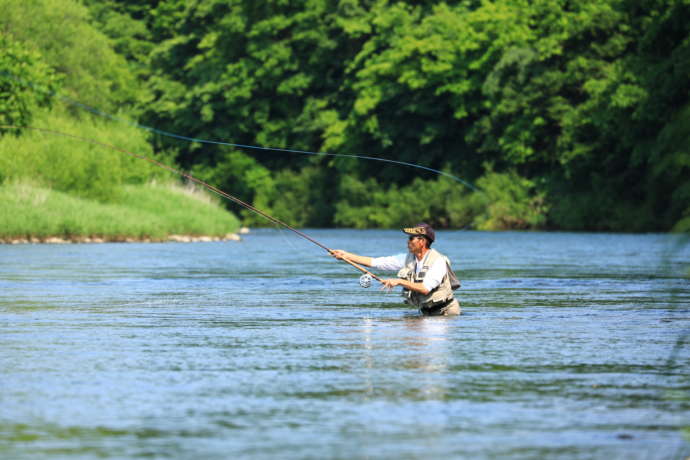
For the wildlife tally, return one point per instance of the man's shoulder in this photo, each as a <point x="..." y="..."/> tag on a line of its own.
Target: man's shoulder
<point x="437" y="258"/>
<point x="434" y="255"/>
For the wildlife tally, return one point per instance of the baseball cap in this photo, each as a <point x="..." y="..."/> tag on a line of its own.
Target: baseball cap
<point x="421" y="229"/>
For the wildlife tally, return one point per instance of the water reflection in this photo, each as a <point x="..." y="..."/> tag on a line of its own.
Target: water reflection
<point x="428" y="346"/>
<point x="417" y="346"/>
<point x="366" y="329"/>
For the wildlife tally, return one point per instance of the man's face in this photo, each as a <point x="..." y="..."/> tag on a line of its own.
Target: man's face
<point x="415" y="243"/>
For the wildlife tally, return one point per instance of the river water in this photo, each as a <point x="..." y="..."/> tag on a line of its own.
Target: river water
<point x="571" y="346"/>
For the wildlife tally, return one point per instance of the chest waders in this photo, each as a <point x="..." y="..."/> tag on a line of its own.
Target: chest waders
<point x="441" y="295"/>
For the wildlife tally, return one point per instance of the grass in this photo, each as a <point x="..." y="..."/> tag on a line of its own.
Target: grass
<point x="146" y="211"/>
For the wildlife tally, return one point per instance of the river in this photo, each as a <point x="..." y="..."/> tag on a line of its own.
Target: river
<point x="570" y="346"/>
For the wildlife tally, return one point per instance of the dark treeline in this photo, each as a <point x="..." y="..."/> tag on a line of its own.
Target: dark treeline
<point x="564" y="114"/>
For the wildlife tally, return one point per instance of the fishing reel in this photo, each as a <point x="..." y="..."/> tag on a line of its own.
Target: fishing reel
<point x="365" y="280"/>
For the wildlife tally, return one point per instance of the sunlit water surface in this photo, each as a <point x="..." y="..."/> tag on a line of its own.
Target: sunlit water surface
<point x="569" y="346"/>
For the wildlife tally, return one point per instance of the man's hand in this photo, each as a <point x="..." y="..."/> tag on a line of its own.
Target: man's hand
<point x="389" y="284"/>
<point x="340" y="254"/>
<point x="392" y="282"/>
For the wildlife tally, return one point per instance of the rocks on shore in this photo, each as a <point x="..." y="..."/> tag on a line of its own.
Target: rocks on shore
<point x="87" y="239"/>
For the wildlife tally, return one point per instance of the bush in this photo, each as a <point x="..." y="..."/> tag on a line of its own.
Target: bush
<point x="364" y="204"/>
<point x="74" y="165"/>
<point x="237" y="174"/>
<point x="18" y="67"/>
<point x="508" y="202"/>
<point x="298" y="198"/>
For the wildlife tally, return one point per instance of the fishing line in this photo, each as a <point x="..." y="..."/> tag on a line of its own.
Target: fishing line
<point x="281" y="232"/>
<point x="188" y="176"/>
<point x="103" y="114"/>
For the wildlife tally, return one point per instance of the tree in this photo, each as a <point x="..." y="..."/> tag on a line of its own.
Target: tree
<point x="92" y="72"/>
<point x="26" y="83"/>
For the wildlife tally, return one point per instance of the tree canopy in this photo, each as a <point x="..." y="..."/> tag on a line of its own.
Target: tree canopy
<point x="571" y="115"/>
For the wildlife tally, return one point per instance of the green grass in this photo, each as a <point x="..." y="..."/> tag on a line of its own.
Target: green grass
<point x="148" y="211"/>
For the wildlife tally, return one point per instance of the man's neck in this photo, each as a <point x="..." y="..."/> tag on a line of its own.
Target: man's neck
<point x="420" y="255"/>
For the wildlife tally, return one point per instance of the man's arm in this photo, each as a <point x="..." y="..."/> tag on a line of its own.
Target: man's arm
<point x="417" y="287"/>
<point x="362" y="260"/>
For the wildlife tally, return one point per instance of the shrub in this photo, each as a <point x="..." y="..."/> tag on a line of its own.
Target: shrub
<point x="508" y="201"/>
<point x="18" y="68"/>
<point x="441" y="202"/>
<point x="73" y="165"/>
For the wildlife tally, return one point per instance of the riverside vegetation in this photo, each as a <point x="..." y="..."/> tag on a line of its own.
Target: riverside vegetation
<point x="55" y="188"/>
<point x="565" y="115"/>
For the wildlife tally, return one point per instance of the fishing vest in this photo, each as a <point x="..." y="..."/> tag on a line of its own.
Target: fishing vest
<point x="443" y="293"/>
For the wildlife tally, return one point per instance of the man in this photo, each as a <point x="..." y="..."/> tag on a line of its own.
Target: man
<point x="426" y="277"/>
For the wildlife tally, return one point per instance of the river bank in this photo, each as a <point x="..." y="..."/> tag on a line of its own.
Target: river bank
<point x="97" y="239"/>
<point x="132" y="213"/>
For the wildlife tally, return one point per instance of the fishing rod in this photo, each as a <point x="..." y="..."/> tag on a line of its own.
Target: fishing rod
<point x="365" y="279"/>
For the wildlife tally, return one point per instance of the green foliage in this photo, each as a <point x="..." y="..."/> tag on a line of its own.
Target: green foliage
<point x="64" y="179"/>
<point x="297" y="198"/>
<point x="18" y="100"/>
<point x="141" y="211"/>
<point x="592" y="115"/>
<point x="241" y="71"/>
<point x="60" y="30"/>
<point x="508" y="202"/>
<point x="366" y="204"/>
<point x="239" y="175"/>
<point x="505" y="201"/>
<point x="172" y="209"/>
<point x="124" y="23"/>
<point x="544" y="93"/>
<point x="587" y="100"/>
<point x="74" y="165"/>
<point x="417" y="82"/>
<point x="683" y="225"/>
<point x="671" y="165"/>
